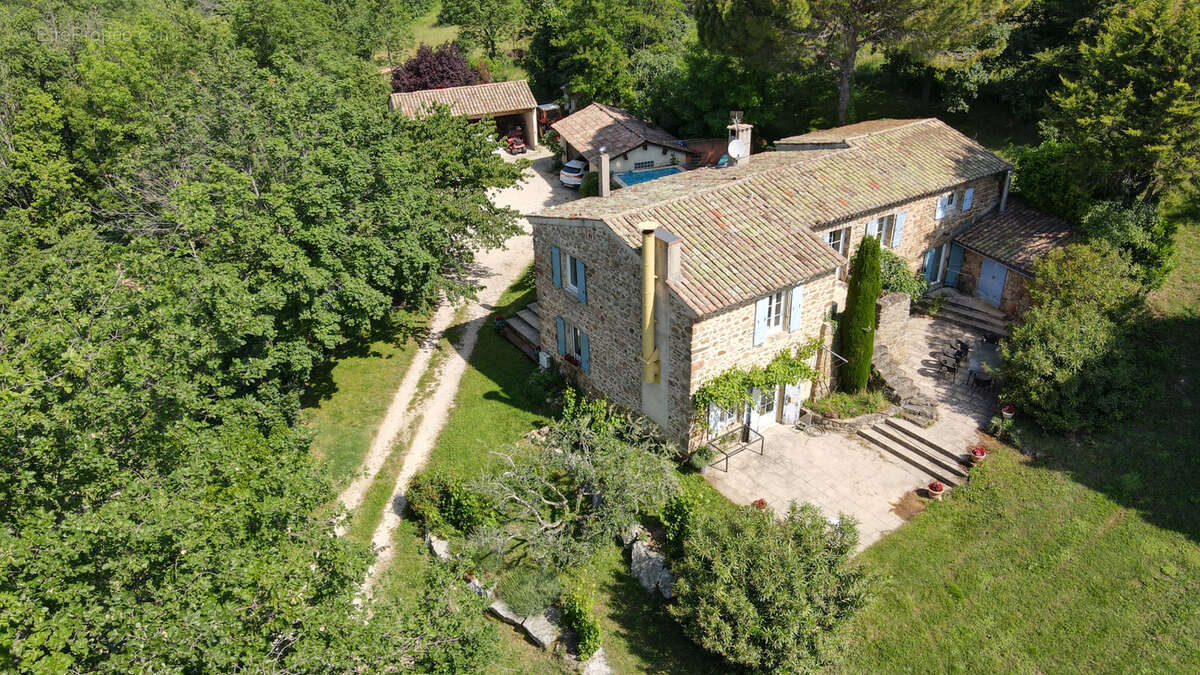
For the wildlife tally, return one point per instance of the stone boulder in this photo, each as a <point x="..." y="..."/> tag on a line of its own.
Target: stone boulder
<point x="649" y="567"/>
<point x="438" y="546"/>
<point x="631" y="534"/>
<point x="505" y="613"/>
<point x="543" y="628"/>
<point x="597" y="665"/>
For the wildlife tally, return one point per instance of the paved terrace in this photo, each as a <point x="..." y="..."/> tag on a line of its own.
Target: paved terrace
<point x="844" y="474"/>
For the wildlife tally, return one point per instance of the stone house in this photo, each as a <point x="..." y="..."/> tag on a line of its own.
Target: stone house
<point x="632" y="144"/>
<point x="649" y="293"/>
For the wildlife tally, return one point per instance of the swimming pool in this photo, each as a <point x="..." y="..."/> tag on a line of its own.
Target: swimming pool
<point x="627" y="178"/>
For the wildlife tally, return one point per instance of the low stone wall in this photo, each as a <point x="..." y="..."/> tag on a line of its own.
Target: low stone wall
<point x="914" y="406"/>
<point x="891" y="320"/>
<point x="851" y="425"/>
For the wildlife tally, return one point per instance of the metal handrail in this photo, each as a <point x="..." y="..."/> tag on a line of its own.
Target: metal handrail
<point x="752" y="437"/>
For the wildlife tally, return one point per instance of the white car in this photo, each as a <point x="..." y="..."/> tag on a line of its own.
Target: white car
<point x="572" y="173"/>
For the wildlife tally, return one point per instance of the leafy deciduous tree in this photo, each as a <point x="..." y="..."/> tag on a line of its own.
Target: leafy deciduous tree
<point x="434" y="68"/>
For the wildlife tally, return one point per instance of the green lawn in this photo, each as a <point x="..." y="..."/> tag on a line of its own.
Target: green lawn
<point x="348" y="401"/>
<point x="427" y="30"/>
<point x="1086" y="558"/>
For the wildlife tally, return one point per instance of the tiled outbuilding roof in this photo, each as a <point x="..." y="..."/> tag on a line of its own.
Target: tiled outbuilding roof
<point x="600" y="125"/>
<point x="847" y="132"/>
<point x="749" y="230"/>
<point x="1018" y="236"/>
<point x="476" y="100"/>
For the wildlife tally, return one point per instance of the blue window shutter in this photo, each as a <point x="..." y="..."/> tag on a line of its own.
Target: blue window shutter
<point x="899" y="229"/>
<point x="561" y="327"/>
<point x="585" y="353"/>
<point x="930" y="264"/>
<point x="581" y="289"/>
<point x="714" y="417"/>
<point x="941" y="208"/>
<point x="556" y="265"/>
<point x="968" y="195"/>
<point x="796" y="311"/>
<point x="760" y="321"/>
<point x="873" y="228"/>
<point x="954" y="264"/>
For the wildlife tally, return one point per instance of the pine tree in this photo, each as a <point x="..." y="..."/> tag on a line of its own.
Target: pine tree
<point x="857" y="327"/>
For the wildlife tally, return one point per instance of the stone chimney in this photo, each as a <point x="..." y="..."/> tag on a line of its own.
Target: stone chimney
<point x="739" y="139"/>
<point x="605" y="186"/>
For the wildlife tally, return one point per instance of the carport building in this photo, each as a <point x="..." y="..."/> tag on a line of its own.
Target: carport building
<point x="509" y="103"/>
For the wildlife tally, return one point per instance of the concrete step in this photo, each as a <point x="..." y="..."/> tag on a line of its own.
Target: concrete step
<point x="974" y="321"/>
<point x="533" y="307"/>
<point x="975" y="312"/>
<point x="529" y="317"/>
<point x="933" y="456"/>
<point x="933" y="471"/>
<point x="523" y="329"/>
<point x="917" y="432"/>
<point x="976" y="306"/>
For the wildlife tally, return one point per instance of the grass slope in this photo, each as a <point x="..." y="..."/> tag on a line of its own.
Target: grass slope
<point x="1086" y="558"/>
<point x="349" y="400"/>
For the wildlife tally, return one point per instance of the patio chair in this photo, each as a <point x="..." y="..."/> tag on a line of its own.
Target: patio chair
<point x="981" y="380"/>
<point x="948" y="366"/>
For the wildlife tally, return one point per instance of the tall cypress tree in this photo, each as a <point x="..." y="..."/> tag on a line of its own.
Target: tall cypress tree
<point x="857" y="327"/>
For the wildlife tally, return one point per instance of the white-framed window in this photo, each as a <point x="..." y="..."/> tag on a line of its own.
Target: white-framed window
<point x="944" y="204"/>
<point x="571" y="278"/>
<point x="719" y="419"/>
<point x="775" y="311"/>
<point x="574" y="344"/>
<point x="835" y="239"/>
<point x="887" y="228"/>
<point x="648" y="164"/>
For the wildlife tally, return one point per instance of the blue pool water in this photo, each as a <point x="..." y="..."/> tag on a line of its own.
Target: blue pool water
<point x="628" y="178"/>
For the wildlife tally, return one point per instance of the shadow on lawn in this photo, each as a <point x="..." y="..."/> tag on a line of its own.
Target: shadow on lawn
<point x="1150" y="462"/>
<point x="397" y="333"/>
<point x="650" y="633"/>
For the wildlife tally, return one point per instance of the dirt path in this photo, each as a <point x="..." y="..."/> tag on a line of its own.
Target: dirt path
<point x="398" y="415"/>
<point x="505" y="266"/>
<point x="496" y="270"/>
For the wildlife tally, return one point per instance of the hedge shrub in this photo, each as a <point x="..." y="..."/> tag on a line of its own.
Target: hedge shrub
<point x="444" y="504"/>
<point x="589" y="186"/>
<point x="769" y="595"/>
<point x="577" y="613"/>
<point x="896" y="277"/>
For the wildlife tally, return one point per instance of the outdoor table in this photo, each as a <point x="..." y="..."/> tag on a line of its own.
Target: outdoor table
<point x="985" y="358"/>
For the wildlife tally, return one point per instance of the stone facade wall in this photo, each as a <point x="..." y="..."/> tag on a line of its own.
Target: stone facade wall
<point x="612" y="319"/>
<point x="968" y="275"/>
<point x="1014" y="299"/>
<point x="921" y="230"/>
<point x="726" y="340"/>
<point x="891" y="319"/>
<point x="612" y="316"/>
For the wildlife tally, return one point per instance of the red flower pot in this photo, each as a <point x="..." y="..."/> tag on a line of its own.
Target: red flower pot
<point x="936" y="490"/>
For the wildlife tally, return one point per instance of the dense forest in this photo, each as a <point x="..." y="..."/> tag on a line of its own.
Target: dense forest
<point x="200" y="203"/>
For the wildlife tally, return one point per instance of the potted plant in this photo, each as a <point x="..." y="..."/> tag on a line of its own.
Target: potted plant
<point x="702" y="457"/>
<point x="1008" y="411"/>
<point x="936" y="490"/>
<point x="977" y="454"/>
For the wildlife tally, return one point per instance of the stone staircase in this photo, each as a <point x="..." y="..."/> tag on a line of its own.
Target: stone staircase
<point x="966" y="311"/>
<point x="910" y="444"/>
<point x="523" y="329"/>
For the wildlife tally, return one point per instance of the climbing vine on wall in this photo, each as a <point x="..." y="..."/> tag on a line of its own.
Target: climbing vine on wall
<point x="731" y="389"/>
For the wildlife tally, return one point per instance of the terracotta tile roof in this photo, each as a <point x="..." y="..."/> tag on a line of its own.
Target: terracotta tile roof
<point x="603" y="125"/>
<point x="749" y="230"/>
<point x="848" y="132"/>
<point x="1017" y="237"/>
<point x="476" y="100"/>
